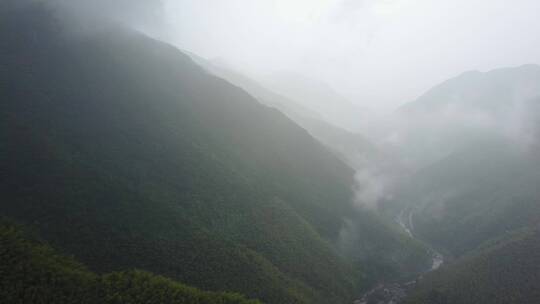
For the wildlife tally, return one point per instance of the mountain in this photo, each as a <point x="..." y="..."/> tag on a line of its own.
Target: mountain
<point x="122" y="152"/>
<point x="473" y="143"/>
<point x="317" y="96"/>
<point x="126" y="154"/>
<point x="293" y="109"/>
<point x="474" y="195"/>
<point x="391" y="254"/>
<point x="494" y="91"/>
<point x="52" y="278"/>
<point x="505" y="270"/>
<point x="465" y="109"/>
<point x="470" y="148"/>
<point x="352" y="147"/>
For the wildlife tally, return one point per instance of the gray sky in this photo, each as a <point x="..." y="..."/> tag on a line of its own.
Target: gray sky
<point x="378" y="53"/>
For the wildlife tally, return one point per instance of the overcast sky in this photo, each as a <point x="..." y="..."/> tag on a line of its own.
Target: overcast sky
<point x="378" y="53"/>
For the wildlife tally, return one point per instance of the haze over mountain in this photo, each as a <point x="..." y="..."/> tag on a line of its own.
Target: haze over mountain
<point x="379" y="54"/>
<point x="484" y="138"/>
<point x="504" y="270"/>
<point x="134" y="171"/>
<point x="352" y="147"/>
<point x="471" y="146"/>
<point x="319" y="97"/>
<point x="126" y="154"/>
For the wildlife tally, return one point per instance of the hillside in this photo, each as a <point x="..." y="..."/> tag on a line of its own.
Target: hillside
<point x="352" y="147"/>
<point x="466" y="109"/>
<point x="124" y="153"/>
<point x="52" y="278"/>
<point x="317" y="96"/>
<point x="472" y="147"/>
<point x="503" y="271"/>
<point x="494" y="91"/>
<point x="474" y="195"/>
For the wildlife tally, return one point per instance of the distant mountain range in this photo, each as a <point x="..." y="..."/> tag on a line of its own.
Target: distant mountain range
<point x="494" y="92"/>
<point x="473" y="149"/>
<point x="318" y="96"/>
<point x="308" y="112"/>
<point x="467" y="108"/>
<point x="121" y="151"/>
<point x="478" y="137"/>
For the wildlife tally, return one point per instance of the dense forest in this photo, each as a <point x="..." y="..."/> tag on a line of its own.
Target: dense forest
<point x="132" y="171"/>
<point x="505" y="270"/>
<point x="477" y="201"/>
<point x="32" y="272"/>
<point x="483" y="177"/>
<point x="124" y="153"/>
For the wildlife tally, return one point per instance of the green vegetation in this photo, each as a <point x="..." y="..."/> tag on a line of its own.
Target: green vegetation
<point x="475" y="195"/>
<point x="31" y="272"/>
<point x="383" y="251"/>
<point x="474" y="139"/>
<point x="353" y="148"/>
<point x="505" y="270"/>
<point x="119" y="150"/>
<point x="127" y="155"/>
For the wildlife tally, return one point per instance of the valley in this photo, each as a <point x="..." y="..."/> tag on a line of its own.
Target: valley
<point x="135" y="169"/>
<point x="396" y="292"/>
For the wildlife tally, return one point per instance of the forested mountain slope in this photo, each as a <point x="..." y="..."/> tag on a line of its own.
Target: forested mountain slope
<point x="352" y="147"/>
<point x="121" y="151"/>
<point x="477" y="136"/>
<point x="495" y="91"/>
<point x="503" y="271"/>
<point x="465" y="109"/>
<point x="32" y="272"/>
<point x="317" y="96"/>
<point x="474" y="195"/>
<point x="470" y="150"/>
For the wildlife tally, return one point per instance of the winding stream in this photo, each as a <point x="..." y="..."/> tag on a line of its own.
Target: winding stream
<point x="405" y="221"/>
<point x="395" y="293"/>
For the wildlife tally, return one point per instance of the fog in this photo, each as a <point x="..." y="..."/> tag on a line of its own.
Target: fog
<point x="381" y="83"/>
<point x="362" y="47"/>
<point x="377" y="53"/>
<point x="341" y="63"/>
<point x="142" y="14"/>
<point x="312" y="151"/>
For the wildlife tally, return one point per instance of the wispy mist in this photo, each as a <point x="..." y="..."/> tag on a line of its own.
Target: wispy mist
<point x="361" y="48"/>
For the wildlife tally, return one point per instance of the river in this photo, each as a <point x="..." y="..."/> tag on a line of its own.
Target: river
<point x="395" y="293"/>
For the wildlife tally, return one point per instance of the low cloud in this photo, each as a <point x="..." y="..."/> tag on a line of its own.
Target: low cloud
<point x="371" y="188"/>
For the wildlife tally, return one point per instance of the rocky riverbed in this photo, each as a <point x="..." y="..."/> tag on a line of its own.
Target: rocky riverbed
<point x="395" y="293"/>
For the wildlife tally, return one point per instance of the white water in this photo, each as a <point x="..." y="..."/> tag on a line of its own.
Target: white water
<point x="400" y="219"/>
<point x="405" y="221"/>
<point x="438" y="260"/>
<point x="395" y="293"/>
